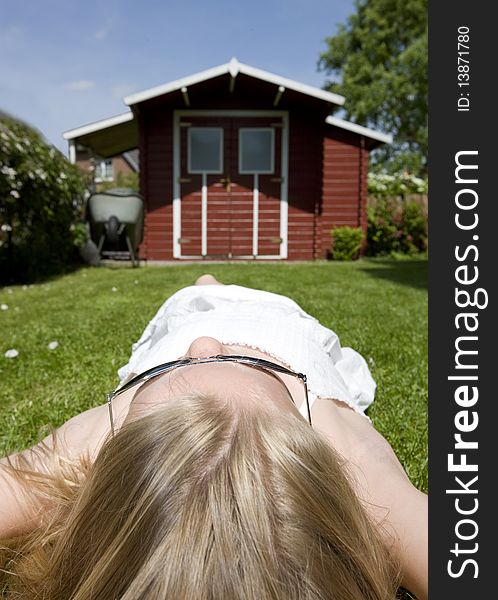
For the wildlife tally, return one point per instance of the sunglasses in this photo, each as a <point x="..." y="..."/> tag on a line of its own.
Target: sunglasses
<point x="250" y="361"/>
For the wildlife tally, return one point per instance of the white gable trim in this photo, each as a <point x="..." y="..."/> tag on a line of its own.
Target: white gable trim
<point x="234" y="68"/>
<point x="98" y="125"/>
<point x="375" y="135"/>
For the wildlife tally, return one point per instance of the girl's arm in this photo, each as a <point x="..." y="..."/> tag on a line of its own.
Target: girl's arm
<point x="398" y="507"/>
<point x="393" y="502"/>
<point x="81" y="437"/>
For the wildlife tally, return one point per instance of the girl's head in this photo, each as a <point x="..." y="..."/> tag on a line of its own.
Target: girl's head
<point x="208" y="497"/>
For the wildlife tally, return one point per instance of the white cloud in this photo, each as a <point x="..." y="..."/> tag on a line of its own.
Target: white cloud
<point x="79" y="86"/>
<point x="122" y="89"/>
<point x="101" y="33"/>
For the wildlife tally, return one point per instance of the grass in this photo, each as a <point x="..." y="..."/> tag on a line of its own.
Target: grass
<point x="378" y="307"/>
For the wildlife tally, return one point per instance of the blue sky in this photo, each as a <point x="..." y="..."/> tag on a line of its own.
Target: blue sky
<point x="65" y="63"/>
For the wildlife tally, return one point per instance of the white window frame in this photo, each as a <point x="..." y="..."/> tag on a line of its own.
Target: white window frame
<point x="284" y="207"/>
<point x="272" y="150"/>
<point x="222" y="141"/>
<point x="103" y="169"/>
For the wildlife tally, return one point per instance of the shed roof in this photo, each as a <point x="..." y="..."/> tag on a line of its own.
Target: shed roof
<point x="385" y="138"/>
<point x="108" y="137"/>
<point x="234" y="67"/>
<point x="119" y="134"/>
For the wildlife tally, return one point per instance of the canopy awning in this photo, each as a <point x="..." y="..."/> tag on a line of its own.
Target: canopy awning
<point x="108" y="137"/>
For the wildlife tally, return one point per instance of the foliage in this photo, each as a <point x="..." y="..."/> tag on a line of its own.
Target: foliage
<point x="122" y="180"/>
<point x="378" y="61"/>
<point x="395" y="226"/>
<point x="346" y="242"/>
<point x="397" y="184"/>
<point x="41" y="200"/>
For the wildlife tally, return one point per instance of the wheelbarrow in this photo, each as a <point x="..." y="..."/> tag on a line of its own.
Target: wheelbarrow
<point x="116" y="219"/>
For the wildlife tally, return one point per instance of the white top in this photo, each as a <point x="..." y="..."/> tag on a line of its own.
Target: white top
<point x="269" y="322"/>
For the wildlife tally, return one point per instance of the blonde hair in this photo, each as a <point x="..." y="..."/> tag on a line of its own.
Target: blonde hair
<point x="201" y="500"/>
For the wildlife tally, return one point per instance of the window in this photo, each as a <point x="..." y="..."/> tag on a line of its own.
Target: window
<point x="256" y="150"/>
<point x="205" y="150"/>
<point x="103" y="170"/>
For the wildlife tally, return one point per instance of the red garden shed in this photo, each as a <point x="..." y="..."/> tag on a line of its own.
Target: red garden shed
<point x="239" y="163"/>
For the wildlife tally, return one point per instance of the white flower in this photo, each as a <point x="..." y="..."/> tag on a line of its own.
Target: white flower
<point x="27" y="142"/>
<point x="62" y="175"/>
<point x="114" y="289"/>
<point x="19" y="147"/>
<point x="371" y="361"/>
<point x="11" y="353"/>
<point x="136" y="282"/>
<point x="24" y="287"/>
<point x="9" y="171"/>
<point x="4" y="136"/>
<point x="4" y="307"/>
<point x="53" y="345"/>
<point x="14" y="193"/>
<point x="6" y="227"/>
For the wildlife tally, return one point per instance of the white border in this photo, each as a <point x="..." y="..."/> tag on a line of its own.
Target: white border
<point x="189" y="164"/>
<point x="272" y="155"/>
<point x="284" y="211"/>
<point x="255" y="214"/>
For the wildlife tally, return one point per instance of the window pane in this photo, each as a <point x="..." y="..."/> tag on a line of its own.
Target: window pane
<point x="103" y="169"/>
<point x="256" y="151"/>
<point x="205" y="150"/>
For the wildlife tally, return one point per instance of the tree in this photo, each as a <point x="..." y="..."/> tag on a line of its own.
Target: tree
<point x="378" y="61"/>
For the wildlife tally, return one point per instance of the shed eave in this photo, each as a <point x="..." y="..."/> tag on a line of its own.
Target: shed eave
<point x="71" y="134"/>
<point x="233" y="68"/>
<point x="365" y="131"/>
<point x="108" y="137"/>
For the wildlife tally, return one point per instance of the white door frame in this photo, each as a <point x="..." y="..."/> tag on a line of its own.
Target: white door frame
<point x="284" y="206"/>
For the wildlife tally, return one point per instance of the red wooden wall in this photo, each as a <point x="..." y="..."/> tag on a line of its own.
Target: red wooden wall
<point x="344" y="189"/>
<point x="327" y="171"/>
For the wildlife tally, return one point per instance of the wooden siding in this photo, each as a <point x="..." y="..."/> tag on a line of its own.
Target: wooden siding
<point x="327" y="182"/>
<point x="305" y="174"/>
<point x="156" y="182"/>
<point x="344" y="188"/>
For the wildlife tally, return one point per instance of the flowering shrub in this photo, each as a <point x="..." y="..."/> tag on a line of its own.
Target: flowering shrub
<point x="346" y="242"/>
<point x="41" y="201"/>
<point x="395" y="226"/>
<point x="399" y="184"/>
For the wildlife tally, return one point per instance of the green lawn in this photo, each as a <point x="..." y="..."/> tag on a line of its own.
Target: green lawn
<point x="378" y="307"/>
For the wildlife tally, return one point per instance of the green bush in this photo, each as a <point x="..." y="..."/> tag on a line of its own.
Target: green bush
<point x="395" y="226"/>
<point x="123" y="180"/>
<point x="41" y="201"/>
<point x="346" y="242"/>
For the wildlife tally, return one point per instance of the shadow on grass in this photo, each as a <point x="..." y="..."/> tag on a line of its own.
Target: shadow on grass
<point x="26" y="274"/>
<point x="413" y="273"/>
